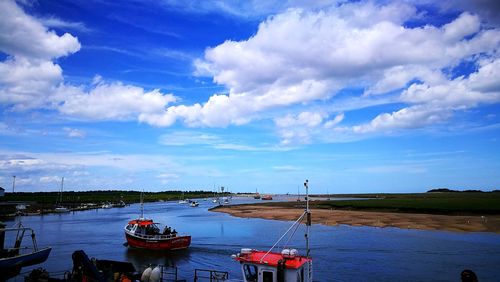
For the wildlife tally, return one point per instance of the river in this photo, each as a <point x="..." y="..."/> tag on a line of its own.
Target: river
<point x="340" y="253"/>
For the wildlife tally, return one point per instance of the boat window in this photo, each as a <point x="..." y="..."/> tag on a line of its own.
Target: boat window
<point x="250" y="272"/>
<point x="267" y="276"/>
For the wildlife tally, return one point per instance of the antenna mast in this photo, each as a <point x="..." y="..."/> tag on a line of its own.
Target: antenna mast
<point x="308" y="217"/>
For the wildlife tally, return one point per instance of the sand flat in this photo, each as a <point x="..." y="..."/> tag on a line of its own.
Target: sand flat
<point x="372" y="218"/>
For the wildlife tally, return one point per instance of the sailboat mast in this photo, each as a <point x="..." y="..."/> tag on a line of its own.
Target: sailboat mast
<point x="308" y="214"/>
<point x="62" y="185"/>
<point x="142" y="204"/>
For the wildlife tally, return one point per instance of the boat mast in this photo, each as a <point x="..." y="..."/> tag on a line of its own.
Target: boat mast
<point x="142" y="204"/>
<point x="308" y="214"/>
<point x="13" y="183"/>
<point x="60" y="194"/>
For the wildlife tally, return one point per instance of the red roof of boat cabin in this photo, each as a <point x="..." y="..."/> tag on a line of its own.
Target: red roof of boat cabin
<point x="141" y="222"/>
<point x="272" y="259"/>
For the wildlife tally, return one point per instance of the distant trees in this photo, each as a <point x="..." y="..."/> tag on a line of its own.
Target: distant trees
<point x="441" y="190"/>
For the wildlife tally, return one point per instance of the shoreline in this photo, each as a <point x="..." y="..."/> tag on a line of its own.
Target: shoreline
<point x="333" y="217"/>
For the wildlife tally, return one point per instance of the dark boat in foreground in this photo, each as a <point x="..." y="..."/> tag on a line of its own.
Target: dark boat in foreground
<point x="17" y="257"/>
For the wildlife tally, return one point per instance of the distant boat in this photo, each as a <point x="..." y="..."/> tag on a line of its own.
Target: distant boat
<point x="12" y="259"/>
<point x="183" y="201"/>
<point x="144" y="233"/>
<point x="257" y="195"/>
<point x="194" y="204"/>
<point x="59" y="207"/>
<point x="106" y="206"/>
<point x="120" y="204"/>
<point x="267" y="198"/>
<point x="225" y="200"/>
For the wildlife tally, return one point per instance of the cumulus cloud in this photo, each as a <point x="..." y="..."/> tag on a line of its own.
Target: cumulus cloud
<point x="24" y="36"/>
<point x="353" y="44"/>
<point x="299" y="129"/>
<point x="30" y="79"/>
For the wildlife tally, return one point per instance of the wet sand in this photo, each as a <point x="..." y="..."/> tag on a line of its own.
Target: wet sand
<point x="456" y="223"/>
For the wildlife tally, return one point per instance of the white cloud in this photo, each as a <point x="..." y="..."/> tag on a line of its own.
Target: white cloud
<point x="59" y="23"/>
<point x="75" y="133"/>
<point x="111" y="101"/>
<point x="301" y="128"/>
<point x="406" y="118"/>
<point x="24" y="36"/>
<point x="29" y="79"/>
<point x="285" y="63"/>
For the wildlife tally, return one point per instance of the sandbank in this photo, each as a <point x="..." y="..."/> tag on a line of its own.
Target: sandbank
<point x="332" y="217"/>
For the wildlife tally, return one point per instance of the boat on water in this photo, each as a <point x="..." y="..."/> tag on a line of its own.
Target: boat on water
<point x="145" y="234"/>
<point x="194" y="204"/>
<point x="284" y="266"/>
<point x="266" y="198"/>
<point x="12" y="260"/>
<point x="59" y="207"/>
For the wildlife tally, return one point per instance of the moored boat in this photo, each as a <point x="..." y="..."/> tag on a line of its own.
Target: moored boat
<point x="145" y="234"/>
<point x="266" y="198"/>
<point x="17" y="257"/>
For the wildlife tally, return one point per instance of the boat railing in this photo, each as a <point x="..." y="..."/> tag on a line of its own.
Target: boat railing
<point x="210" y="275"/>
<point x="157" y="236"/>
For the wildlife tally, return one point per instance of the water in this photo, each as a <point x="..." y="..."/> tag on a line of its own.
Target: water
<point x="341" y="253"/>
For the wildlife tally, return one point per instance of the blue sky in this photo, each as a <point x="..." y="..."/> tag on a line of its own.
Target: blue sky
<point x="364" y="96"/>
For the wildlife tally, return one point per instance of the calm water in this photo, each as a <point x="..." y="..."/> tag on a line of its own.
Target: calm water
<point x="340" y="253"/>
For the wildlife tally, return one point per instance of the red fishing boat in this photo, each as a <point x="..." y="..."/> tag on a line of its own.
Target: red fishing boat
<point x="145" y="234"/>
<point x="267" y="198"/>
<point x="286" y="266"/>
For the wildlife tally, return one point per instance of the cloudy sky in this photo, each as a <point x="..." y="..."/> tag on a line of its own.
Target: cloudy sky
<point x="377" y="96"/>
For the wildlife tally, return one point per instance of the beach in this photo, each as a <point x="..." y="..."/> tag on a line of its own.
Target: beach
<point x="332" y="217"/>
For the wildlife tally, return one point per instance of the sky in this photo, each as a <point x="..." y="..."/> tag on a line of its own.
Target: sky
<point x="355" y="96"/>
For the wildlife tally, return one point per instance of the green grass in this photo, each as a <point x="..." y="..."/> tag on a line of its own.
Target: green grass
<point x="432" y="203"/>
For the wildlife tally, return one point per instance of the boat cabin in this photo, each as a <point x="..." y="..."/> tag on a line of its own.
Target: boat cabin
<point x="287" y="266"/>
<point x="146" y="227"/>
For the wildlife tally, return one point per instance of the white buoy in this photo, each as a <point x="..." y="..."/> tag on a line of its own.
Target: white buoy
<point x="155" y="274"/>
<point x="146" y="274"/>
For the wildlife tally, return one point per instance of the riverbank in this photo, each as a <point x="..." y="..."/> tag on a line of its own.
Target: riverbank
<point x="332" y="217"/>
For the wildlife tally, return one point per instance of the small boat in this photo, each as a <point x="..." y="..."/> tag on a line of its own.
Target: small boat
<point x="194" y="204"/>
<point x="215" y="200"/>
<point x="120" y="204"/>
<point x="106" y="206"/>
<point x="225" y="200"/>
<point x="13" y="259"/>
<point x="145" y="234"/>
<point x="59" y="208"/>
<point x="267" y="198"/>
<point x="286" y="266"/>
<point x="257" y="195"/>
<point x="182" y="202"/>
